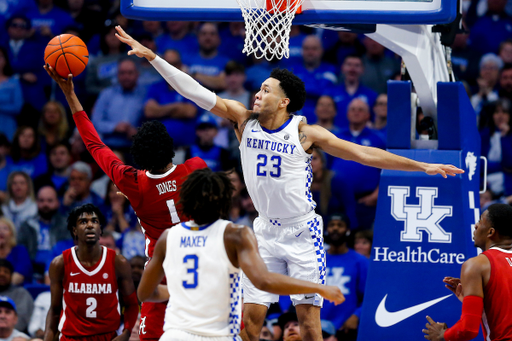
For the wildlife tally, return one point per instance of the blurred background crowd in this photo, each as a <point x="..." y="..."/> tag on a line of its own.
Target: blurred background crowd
<point x="45" y="169"/>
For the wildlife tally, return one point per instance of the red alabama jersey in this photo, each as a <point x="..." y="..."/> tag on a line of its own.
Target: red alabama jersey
<point x="90" y="302"/>
<point x="497" y="317"/>
<point x="153" y="197"/>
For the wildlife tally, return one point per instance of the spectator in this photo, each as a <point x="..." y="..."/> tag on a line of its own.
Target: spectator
<point x="379" y="68"/>
<point x="505" y="52"/>
<point x="119" y="108"/>
<point x="20" y="203"/>
<point x="169" y="107"/>
<point x="491" y="29"/>
<point x="26" y="153"/>
<point x="363" y="241"/>
<point x="351" y="88"/>
<point x="40" y="233"/>
<point x="11" y="96"/>
<point x="505" y="83"/>
<point x="179" y="38"/>
<point x="20" y="296"/>
<point x="348" y="270"/>
<point x="235" y="79"/>
<point x="216" y="157"/>
<point x="359" y="183"/>
<point x="490" y="66"/>
<point x="24" y="54"/>
<point x="58" y="176"/>
<point x="325" y="112"/>
<point x="15" y="254"/>
<point x="37" y="323"/>
<point x="317" y="75"/>
<point x="102" y="70"/>
<point x="9" y="319"/>
<point x="208" y="64"/>
<point x="53" y="125"/>
<point x="5" y="168"/>
<point x="496" y="140"/>
<point x="380" y="109"/>
<point x="79" y="191"/>
<point x="49" y="20"/>
<point x="328" y="331"/>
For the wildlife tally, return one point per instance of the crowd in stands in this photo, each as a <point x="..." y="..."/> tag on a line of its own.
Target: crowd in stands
<point x="45" y="169"/>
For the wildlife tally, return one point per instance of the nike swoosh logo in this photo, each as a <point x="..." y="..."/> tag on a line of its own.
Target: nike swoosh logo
<point x="254" y="131"/>
<point x="74" y="274"/>
<point x="297" y="235"/>
<point x="384" y="318"/>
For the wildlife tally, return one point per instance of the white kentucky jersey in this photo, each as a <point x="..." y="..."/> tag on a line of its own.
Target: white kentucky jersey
<point x="277" y="170"/>
<point x="204" y="287"/>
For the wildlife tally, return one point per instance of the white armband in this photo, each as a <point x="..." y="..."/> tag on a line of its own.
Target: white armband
<point x="185" y="85"/>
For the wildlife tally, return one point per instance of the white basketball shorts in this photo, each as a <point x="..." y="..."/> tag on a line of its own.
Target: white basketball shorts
<point x="293" y="247"/>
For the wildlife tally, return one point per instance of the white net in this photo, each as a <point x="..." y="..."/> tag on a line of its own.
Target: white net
<point x="267" y="26"/>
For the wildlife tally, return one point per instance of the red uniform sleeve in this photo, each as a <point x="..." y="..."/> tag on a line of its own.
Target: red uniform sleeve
<point x="195" y="163"/>
<point x="123" y="176"/>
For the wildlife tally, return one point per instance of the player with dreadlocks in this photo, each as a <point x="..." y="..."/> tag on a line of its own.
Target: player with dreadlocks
<point x="153" y="190"/>
<point x="202" y="260"/>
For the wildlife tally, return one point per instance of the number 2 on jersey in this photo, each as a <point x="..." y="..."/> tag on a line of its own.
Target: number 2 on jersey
<point x="191" y="270"/>
<point x="276" y="163"/>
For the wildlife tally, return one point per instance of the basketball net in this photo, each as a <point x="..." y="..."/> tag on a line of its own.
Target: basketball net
<point x="267" y="26"/>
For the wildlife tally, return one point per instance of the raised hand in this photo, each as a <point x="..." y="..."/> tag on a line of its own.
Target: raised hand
<point x="444" y="170"/>
<point x="137" y="48"/>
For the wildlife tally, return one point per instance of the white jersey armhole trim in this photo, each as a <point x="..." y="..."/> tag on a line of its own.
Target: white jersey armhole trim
<point x="80" y="266"/>
<point x="159" y="176"/>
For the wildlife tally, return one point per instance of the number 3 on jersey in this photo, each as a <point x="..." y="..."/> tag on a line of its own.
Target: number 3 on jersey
<point x="275" y="166"/>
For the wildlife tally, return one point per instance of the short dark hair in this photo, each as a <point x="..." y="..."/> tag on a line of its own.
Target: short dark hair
<point x="500" y="216"/>
<point x="206" y="196"/>
<point x="152" y="148"/>
<point x="293" y="87"/>
<point x="78" y="211"/>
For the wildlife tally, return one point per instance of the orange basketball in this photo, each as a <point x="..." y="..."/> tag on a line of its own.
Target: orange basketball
<point x="66" y="54"/>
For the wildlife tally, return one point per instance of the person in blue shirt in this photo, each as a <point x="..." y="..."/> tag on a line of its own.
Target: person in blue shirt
<point x="119" y="108"/>
<point x="49" y="20"/>
<point x="216" y="157"/>
<point x="358" y="182"/>
<point x="315" y="74"/>
<point x="26" y="154"/>
<point x="352" y="70"/>
<point x="348" y="270"/>
<point x="179" y="38"/>
<point x="177" y="113"/>
<point x="208" y="64"/>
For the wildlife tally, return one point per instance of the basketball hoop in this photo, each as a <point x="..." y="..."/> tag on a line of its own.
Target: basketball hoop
<point x="267" y="26"/>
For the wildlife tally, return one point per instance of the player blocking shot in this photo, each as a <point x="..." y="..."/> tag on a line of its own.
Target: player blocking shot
<point x="276" y="148"/>
<point x="87" y="282"/>
<point x="202" y="260"/>
<point x="153" y="190"/>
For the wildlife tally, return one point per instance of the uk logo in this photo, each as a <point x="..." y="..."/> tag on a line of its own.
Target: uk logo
<point x="426" y="216"/>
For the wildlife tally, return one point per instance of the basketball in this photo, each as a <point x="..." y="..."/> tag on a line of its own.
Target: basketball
<point x="67" y="54"/>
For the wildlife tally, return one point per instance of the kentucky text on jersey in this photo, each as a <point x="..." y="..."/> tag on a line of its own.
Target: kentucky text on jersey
<point x="268" y="145"/>
<point x="187" y="241"/>
<point x="90" y="288"/>
<point x="168" y="186"/>
<point x="417" y="256"/>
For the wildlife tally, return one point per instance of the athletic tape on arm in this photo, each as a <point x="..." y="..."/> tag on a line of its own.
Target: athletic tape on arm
<point x="185" y="85"/>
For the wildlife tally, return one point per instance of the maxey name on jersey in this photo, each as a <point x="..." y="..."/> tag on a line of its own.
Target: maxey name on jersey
<point x="269" y="145"/>
<point x="168" y="186"/>
<point x="89" y="288"/>
<point x="188" y="241"/>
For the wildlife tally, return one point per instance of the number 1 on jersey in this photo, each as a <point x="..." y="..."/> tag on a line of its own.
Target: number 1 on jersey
<point x="172" y="210"/>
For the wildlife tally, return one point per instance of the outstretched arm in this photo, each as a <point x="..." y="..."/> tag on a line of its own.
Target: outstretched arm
<point x="243" y="247"/>
<point x="316" y="136"/>
<point x="185" y="85"/>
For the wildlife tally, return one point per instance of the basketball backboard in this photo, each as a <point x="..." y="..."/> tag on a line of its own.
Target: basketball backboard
<point x="413" y="12"/>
